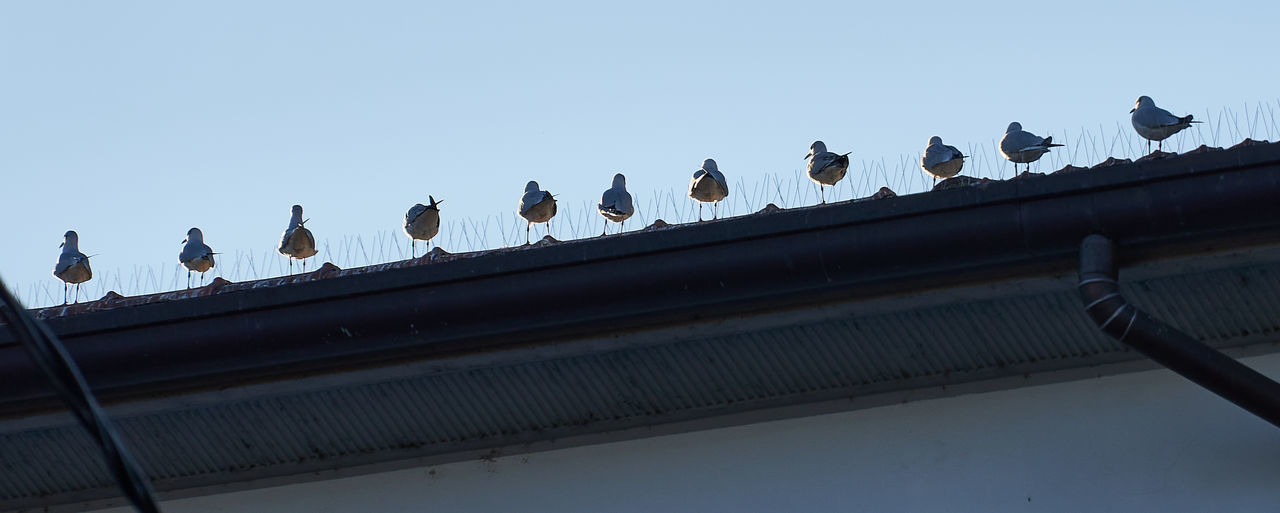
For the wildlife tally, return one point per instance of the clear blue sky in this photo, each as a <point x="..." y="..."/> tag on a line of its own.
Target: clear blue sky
<point x="131" y="122"/>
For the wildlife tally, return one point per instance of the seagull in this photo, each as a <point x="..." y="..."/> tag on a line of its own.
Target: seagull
<point x="196" y="256"/>
<point x="536" y="206"/>
<point x="297" y="241"/>
<point x="1022" y="147"/>
<point x="940" y="160"/>
<point x="708" y="185"/>
<point x="1154" y="123"/>
<point x="422" y="222"/>
<point x="615" y="204"/>
<point x="826" y="168"/>
<point x="73" y="266"/>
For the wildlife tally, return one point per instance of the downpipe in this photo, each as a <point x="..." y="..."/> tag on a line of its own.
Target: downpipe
<point x="1163" y="343"/>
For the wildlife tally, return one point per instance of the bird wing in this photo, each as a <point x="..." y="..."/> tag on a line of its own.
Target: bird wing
<point x="1021" y="140"/>
<point x="1155" y="117"/>
<point x="936" y="154"/>
<point x="715" y="173"/>
<point x="413" y="213"/>
<point x="65" y="261"/>
<point x="193" y="250"/>
<point x="68" y="260"/>
<point x="616" y="202"/>
<point x="696" y="176"/>
<point x="284" y="239"/>
<point x="530" y="199"/>
<point x="822" y="161"/>
<point x="624" y="203"/>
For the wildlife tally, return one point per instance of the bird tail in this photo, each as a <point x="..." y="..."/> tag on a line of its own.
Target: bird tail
<point x="1188" y="119"/>
<point x="1048" y="142"/>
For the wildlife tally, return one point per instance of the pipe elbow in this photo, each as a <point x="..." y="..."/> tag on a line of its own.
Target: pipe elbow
<point x="1100" y="289"/>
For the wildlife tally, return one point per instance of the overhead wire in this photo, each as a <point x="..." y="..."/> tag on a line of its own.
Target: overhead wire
<point x="52" y="358"/>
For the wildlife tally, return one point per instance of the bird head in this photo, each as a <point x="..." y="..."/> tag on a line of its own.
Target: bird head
<point x="619" y="181"/>
<point x="816" y="148"/>
<point x="1143" y="101"/>
<point x="1014" y="127"/>
<point x="935" y="140"/>
<point x="70" y="239"/>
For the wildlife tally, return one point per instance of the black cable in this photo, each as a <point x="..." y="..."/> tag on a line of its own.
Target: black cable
<point x="52" y="358"/>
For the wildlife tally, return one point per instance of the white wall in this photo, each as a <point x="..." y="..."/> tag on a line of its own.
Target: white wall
<point x="1147" y="441"/>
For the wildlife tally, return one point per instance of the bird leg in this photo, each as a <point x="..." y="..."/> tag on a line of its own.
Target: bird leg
<point x="304" y="266"/>
<point x="290" y="266"/>
<point x="699" y="211"/>
<point x="66" y="294"/>
<point x="822" y="194"/>
<point x="188" y="279"/>
<point x="413" y="248"/>
<point x="201" y="278"/>
<point x="527" y="228"/>
<point x="77" y="293"/>
<point x="606" y="228"/>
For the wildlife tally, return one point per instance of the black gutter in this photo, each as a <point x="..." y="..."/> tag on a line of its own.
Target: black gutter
<point x="681" y="276"/>
<point x="1207" y="367"/>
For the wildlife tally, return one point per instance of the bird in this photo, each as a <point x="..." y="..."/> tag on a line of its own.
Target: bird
<point x="615" y="204"/>
<point x="422" y="222"/>
<point x="297" y="241"/>
<point x="1022" y="147"/>
<point x="536" y="206"/>
<point x="73" y="266"/>
<point x="196" y="256"/>
<point x="825" y="168"/>
<point x="1156" y="124"/>
<point x="940" y="160"/>
<point x="708" y="186"/>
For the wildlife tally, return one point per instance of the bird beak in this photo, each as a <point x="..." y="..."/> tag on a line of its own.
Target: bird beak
<point x="61" y="245"/>
<point x="184" y="241"/>
<point x="1133" y="109"/>
<point x="807" y="155"/>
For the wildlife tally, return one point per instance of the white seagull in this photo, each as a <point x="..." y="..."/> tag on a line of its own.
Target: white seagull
<point x="536" y="206"/>
<point x="615" y="204"/>
<point x="1022" y="147"/>
<point x="196" y="256"/>
<point x="73" y="266"/>
<point x="940" y="160"/>
<point x="1156" y="124"/>
<point x="422" y="222"/>
<point x="708" y="185"/>
<point x="297" y="241"/>
<point x="825" y="168"/>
